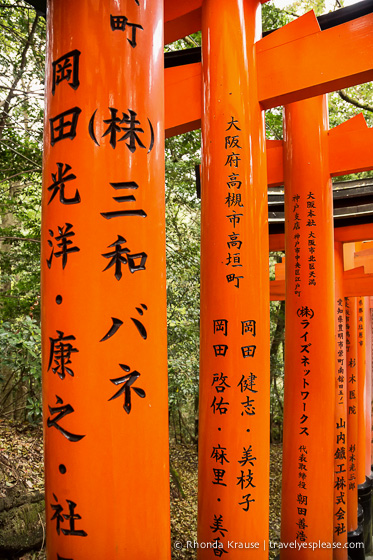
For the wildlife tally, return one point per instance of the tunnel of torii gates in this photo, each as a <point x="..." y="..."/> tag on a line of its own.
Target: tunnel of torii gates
<point x="109" y="104"/>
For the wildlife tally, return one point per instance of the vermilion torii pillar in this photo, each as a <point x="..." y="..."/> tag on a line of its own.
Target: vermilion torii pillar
<point x="370" y="360"/>
<point x="103" y="281"/>
<point x="352" y="417"/>
<point x="364" y="488"/>
<point x="340" y="441"/>
<point x="368" y="402"/>
<point x="234" y="374"/>
<point x="361" y="367"/>
<point x="308" y="447"/>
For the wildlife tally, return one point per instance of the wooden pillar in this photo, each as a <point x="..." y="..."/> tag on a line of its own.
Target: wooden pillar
<point x="340" y="442"/>
<point x="103" y="283"/>
<point x="308" y="444"/>
<point x="234" y="373"/>
<point x="352" y="417"/>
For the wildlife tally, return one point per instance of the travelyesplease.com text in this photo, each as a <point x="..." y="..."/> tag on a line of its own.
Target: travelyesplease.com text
<point x="264" y="544"/>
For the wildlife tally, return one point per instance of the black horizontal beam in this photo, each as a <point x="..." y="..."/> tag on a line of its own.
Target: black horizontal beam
<point x="348" y="201"/>
<point x="332" y="19"/>
<point x="352" y="205"/>
<point x="338" y="203"/>
<point x="39" y="5"/>
<point x="342" y="212"/>
<point x="183" y="57"/>
<point x="279" y="227"/>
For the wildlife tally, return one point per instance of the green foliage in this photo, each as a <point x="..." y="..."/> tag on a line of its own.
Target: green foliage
<point x="273" y="17"/>
<point x="340" y="110"/>
<point x="21" y="128"/>
<point x="182" y="250"/>
<point x="191" y="41"/>
<point x="20" y="251"/>
<point x="20" y="372"/>
<point x="274" y="124"/>
<point x="22" y="54"/>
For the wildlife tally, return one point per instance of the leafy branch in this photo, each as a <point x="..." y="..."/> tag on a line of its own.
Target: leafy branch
<point x="18" y="76"/>
<point x="360" y="105"/>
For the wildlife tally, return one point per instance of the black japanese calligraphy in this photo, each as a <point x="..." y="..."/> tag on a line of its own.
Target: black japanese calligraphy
<point x="60" y="412"/>
<point x="65" y="244"/>
<point x="116" y="324"/>
<point x="131" y="132"/>
<point x="126" y="198"/>
<point x="60" y="353"/>
<point x="71" y="517"/>
<point x="66" y="68"/>
<point x="64" y="125"/>
<point x="122" y="256"/>
<point x="58" y="186"/>
<point x="120" y="23"/>
<point x="127" y="382"/>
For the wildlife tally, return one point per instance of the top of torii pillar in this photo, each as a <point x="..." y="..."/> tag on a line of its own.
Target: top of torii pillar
<point x="184" y="16"/>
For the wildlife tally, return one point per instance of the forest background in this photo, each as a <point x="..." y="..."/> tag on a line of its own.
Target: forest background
<point x="22" y="60"/>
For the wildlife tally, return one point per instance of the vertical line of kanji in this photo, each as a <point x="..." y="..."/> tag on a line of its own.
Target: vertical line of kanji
<point x="308" y="446"/>
<point x="340" y="436"/>
<point x="103" y="282"/>
<point x="234" y="373"/>
<point x="361" y="384"/>
<point x="352" y="412"/>
<point x="365" y="491"/>
<point x="368" y="401"/>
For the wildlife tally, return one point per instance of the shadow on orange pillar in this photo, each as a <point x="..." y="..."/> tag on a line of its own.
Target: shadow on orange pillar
<point x="352" y="417"/>
<point x="234" y="375"/>
<point x="103" y="283"/>
<point x="308" y="444"/>
<point x="340" y="446"/>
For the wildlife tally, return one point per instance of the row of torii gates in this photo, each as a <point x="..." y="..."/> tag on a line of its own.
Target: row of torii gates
<point x="109" y="101"/>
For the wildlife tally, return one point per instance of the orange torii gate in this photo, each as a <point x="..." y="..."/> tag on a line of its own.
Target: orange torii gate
<point x="104" y="283"/>
<point x="104" y="346"/>
<point x="309" y="385"/>
<point x="341" y="397"/>
<point x="291" y="63"/>
<point x="359" y="412"/>
<point x="183" y="84"/>
<point x="234" y="371"/>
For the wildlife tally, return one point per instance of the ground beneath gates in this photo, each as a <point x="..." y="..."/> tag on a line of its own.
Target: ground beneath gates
<point x="184" y="509"/>
<point x="21" y="492"/>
